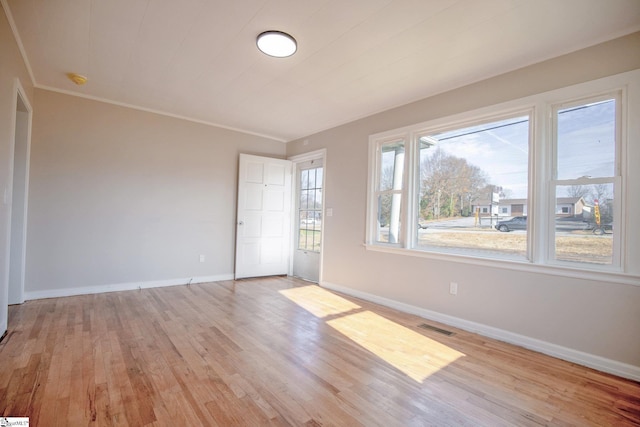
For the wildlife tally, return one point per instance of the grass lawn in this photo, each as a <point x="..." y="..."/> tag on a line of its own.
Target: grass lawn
<point x="584" y="247"/>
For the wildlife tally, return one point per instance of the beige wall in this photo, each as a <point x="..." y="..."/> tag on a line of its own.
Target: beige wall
<point x="590" y="316"/>
<point x="123" y="196"/>
<point x="11" y="68"/>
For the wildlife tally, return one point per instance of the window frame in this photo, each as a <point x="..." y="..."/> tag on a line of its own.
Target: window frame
<point x="541" y="200"/>
<point x="467" y="120"/>
<point x="374" y="190"/>
<point x="616" y="179"/>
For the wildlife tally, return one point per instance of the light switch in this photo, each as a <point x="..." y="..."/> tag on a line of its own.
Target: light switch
<point x="329" y="212"/>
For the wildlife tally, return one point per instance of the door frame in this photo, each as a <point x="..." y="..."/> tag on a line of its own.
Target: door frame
<point x="17" y="289"/>
<point x="297" y="160"/>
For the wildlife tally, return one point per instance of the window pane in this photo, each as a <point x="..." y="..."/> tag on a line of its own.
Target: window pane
<point x="389" y="212"/>
<point x="310" y="210"/>
<point x="302" y="232"/>
<point x="316" y="241"/>
<point x="312" y="178"/>
<point x="318" y="205"/>
<point x="309" y="239"/>
<point x="586" y="140"/>
<point x="304" y="199"/>
<point x="391" y="166"/>
<point x="471" y="180"/>
<point x="584" y="223"/>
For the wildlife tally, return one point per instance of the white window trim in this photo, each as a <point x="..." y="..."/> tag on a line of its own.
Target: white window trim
<point x="372" y="203"/>
<point x="472" y="120"/>
<point x="617" y="179"/>
<point x="541" y="176"/>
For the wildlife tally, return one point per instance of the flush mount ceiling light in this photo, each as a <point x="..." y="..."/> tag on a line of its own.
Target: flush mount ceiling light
<point x="276" y="43"/>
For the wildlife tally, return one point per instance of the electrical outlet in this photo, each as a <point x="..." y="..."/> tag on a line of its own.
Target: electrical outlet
<point x="201" y="258"/>
<point x="453" y="288"/>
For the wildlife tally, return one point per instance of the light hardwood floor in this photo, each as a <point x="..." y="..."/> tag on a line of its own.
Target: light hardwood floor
<point x="278" y="351"/>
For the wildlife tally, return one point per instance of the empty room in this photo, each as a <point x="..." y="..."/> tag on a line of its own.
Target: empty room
<point x="320" y="213"/>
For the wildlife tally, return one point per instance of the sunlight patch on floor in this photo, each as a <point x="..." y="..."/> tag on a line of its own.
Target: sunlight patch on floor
<point x="319" y="302"/>
<point x="408" y="351"/>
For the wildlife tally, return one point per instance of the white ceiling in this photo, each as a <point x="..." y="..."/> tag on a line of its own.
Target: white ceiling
<point x="197" y="59"/>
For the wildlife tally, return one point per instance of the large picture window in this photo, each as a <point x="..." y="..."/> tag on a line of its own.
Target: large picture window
<point x="473" y="180"/>
<point x="538" y="181"/>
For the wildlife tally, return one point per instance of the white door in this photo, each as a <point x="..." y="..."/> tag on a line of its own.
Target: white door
<point x="264" y="216"/>
<point x="308" y="229"/>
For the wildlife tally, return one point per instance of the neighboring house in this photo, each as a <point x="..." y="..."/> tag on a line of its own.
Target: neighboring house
<point x="484" y="208"/>
<point x="570" y="206"/>
<point x="512" y="207"/>
<point x="505" y="208"/>
<point x="565" y="206"/>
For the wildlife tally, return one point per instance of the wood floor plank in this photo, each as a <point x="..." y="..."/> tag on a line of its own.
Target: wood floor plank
<point x="281" y="352"/>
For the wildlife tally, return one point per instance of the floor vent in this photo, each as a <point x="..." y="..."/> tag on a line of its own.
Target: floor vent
<point x="435" y="329"/>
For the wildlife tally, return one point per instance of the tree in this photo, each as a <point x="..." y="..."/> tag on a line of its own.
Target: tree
<point x="506" y="193"/>
<point x="386" y="177"/>
<point x="601" y="192"/>
<point x="445" y="182"/>
<point x="384" y="205"/>
<point x="578" y="191"/>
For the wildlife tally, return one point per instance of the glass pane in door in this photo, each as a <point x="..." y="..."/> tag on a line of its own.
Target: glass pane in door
<point x="310" y="210"/>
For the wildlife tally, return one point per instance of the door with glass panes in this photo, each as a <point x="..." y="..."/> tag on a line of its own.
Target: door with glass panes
<point x="306" y="254"/>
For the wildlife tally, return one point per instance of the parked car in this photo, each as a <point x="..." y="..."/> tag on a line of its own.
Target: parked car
<point x="515" y="223"/>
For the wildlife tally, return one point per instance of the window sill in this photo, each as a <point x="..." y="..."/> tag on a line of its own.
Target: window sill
<point x="509" y="264"/>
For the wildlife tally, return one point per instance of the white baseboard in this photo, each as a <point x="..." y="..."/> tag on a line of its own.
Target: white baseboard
<point x="592" y="361"/>
<point x="67" y="292"/>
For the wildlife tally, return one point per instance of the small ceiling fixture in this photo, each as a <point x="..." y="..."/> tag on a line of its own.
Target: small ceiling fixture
<point x="276" y="43"/>
<point x="77" y="78"/>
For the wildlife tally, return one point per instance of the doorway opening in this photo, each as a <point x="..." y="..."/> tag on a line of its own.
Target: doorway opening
<point x="19" y="198"/>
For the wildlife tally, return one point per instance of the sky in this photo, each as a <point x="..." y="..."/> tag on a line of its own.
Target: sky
<point x="586" y="146"/>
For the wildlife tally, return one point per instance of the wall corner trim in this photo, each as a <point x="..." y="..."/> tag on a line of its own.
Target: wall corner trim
<point x="585" y="359"/>
<point x="130" y="286"/>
